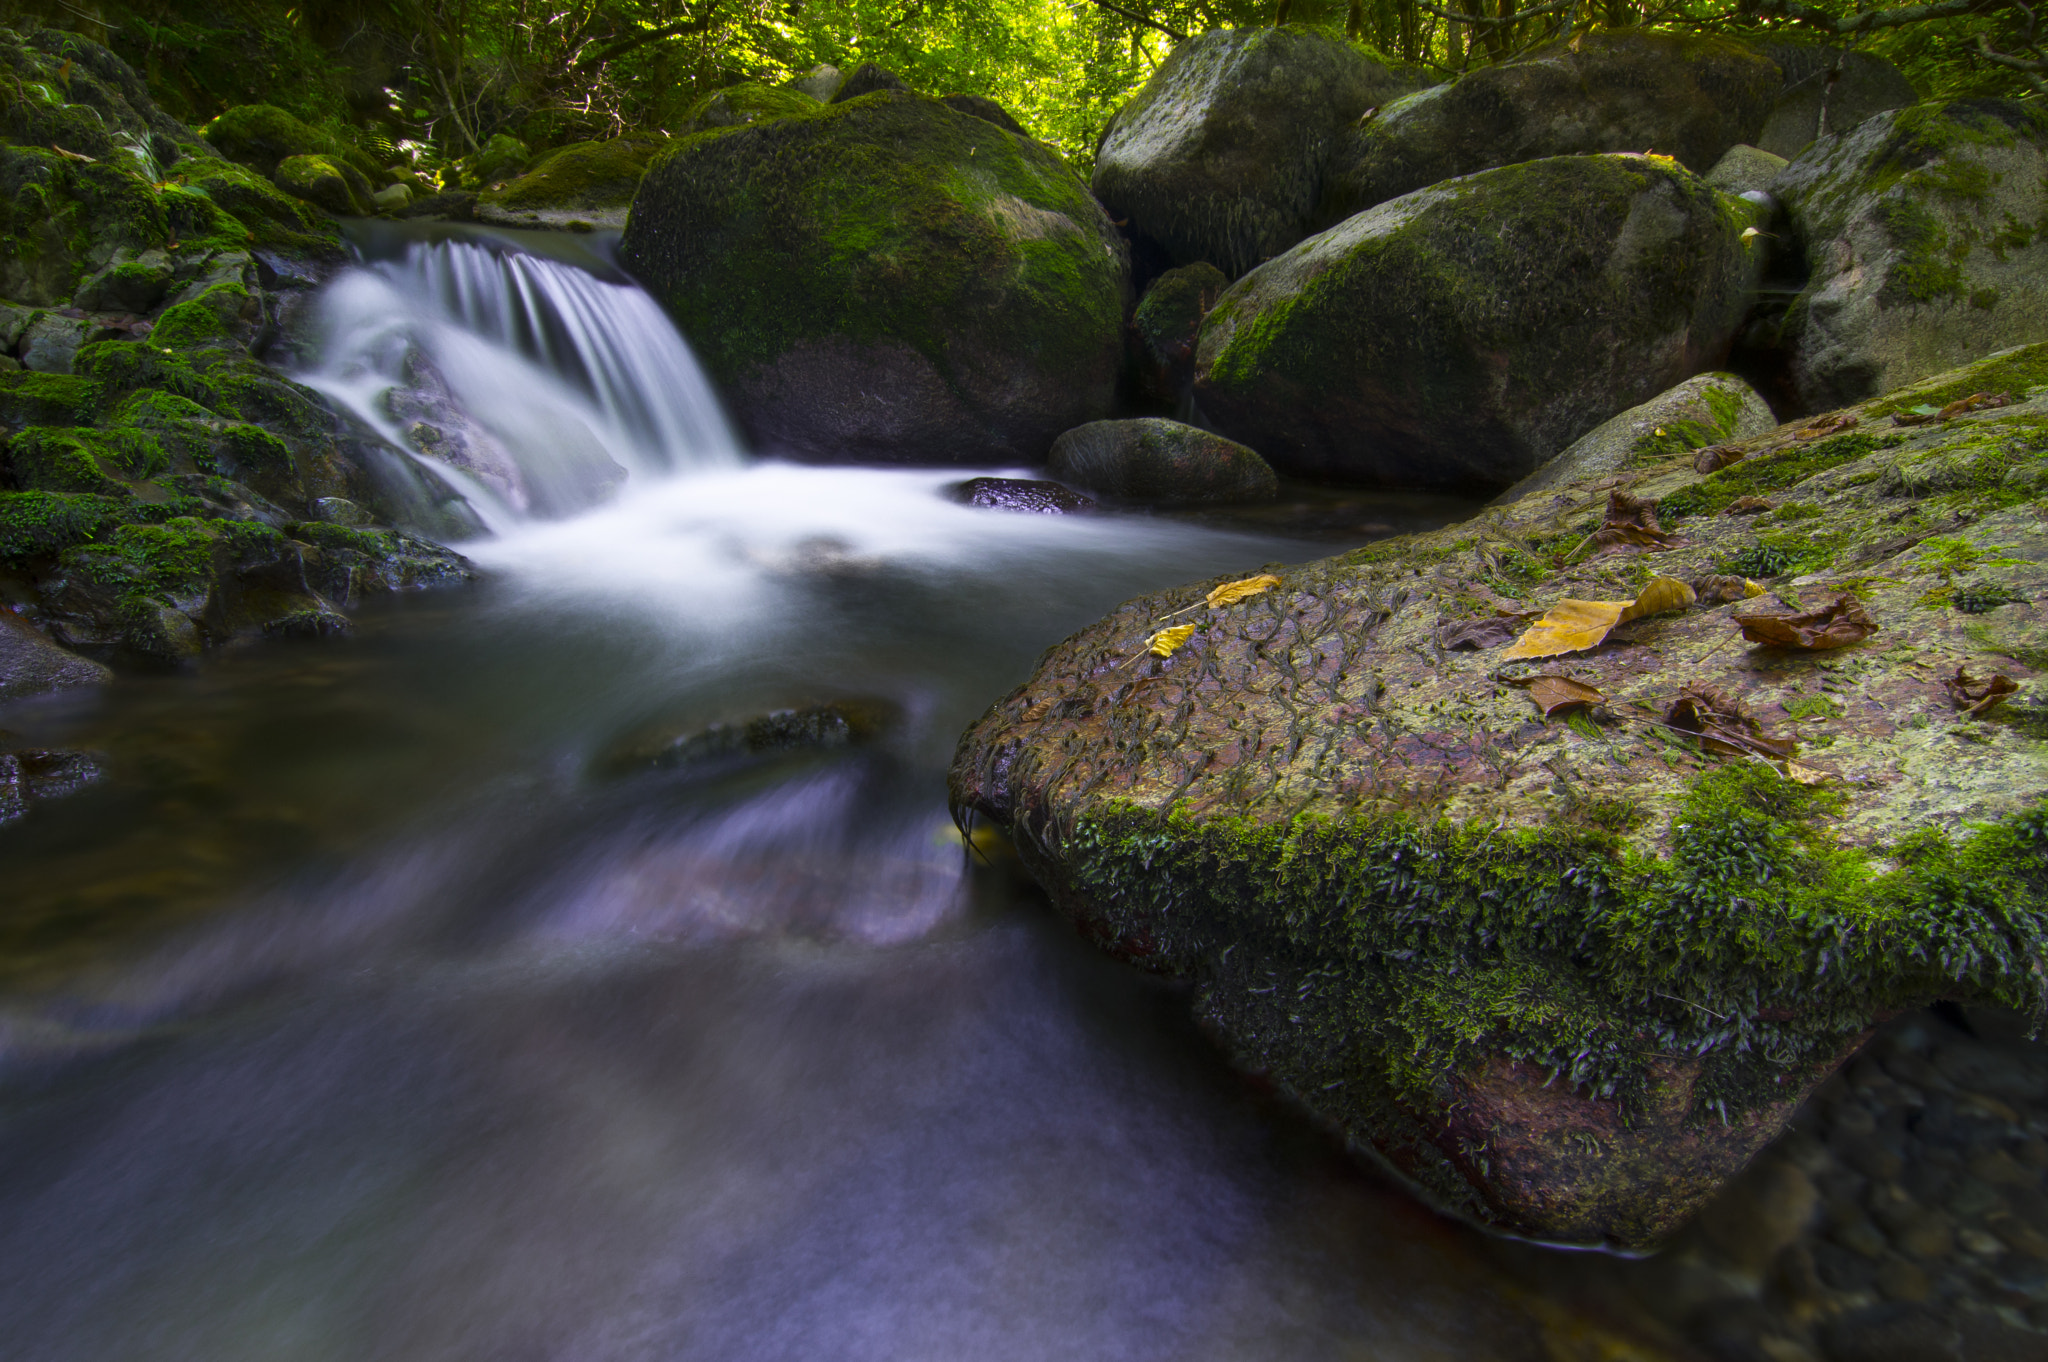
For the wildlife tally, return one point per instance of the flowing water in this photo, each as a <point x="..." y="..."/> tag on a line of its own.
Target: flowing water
<point x="386" y="1002"/>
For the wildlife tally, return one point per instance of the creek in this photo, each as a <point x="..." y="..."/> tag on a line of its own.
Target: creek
<point x="376" y="1007"/>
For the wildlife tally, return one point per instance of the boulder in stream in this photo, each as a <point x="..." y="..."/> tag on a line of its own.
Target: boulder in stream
<point x="590" y="184"/>
<point x="1220" y="156"/>
<point x="1458" y="337"/>
<point x="1160" y="463"/>
<point x="886" y="279"/>
<point x="1567" y="939"/>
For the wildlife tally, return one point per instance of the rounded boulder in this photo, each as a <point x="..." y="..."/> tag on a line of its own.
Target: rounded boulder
<point x="887" y="279"/>
<point x="1162" y="462"/>
<point x="1458" y="337"/>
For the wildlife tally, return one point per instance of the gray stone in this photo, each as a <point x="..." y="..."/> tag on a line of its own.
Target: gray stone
<point x="339" y="511"/>
<point x="1745" y="170"/>
<point x="1019" y="496"/>
<point x="1704" y="410"/>
<point x="1760" y="1214"/>
<point x="31" y="664"/>
<point x="1923" y="230"/>
<point x="1220" y="156"/>
<point x="52" y="341"/>
<point x="865" y="80"/>
<point x="821" y="82"/>
<point x="1161" y="462"/>
<point x="1827" y="90"/>
<point x="392" y="196"/>
<point x="13" y="321"/>
<point x="1460" y="337"/>
<point x="1690" y="98"/>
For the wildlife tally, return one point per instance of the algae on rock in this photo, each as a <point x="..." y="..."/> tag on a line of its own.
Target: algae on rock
<point x="1569" y="976"/>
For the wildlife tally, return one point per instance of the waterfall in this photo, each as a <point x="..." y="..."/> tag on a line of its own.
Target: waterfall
<point x="529" y="387"/>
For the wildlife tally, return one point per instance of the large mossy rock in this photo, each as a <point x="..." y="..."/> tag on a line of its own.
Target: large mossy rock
<point x="1926" y="231"/>
<point x="585" y="182"/>
<point x="1161" y="463"/>
<point x="1570" y="973"/>
<point x="263" y="137"/>
<point x="1690" y="98"/>
<point x="1706" y="409"/>
<point x="64" y="90"/>
<point x="1460" y="336"/>
<point x="1220" y="156"/>
<point x="887" y="279"/>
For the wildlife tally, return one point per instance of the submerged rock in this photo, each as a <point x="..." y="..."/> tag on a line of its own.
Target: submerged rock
<point x="1568" y="968"/>
<point x="1160" y="463"/>
<point x="1922" y="228"/>
<point x="886" y="279"/>
<point x="31" y="664"/>
<point x="1020" y="496"/>
<point x="661" y="745"/>
<point x="1220" y="156"/>
<point x="1686" y="97"/>
<point x="1460" y="336"/>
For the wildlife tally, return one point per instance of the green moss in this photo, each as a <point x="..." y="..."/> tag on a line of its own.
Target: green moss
<point x="41" y="524"/>
<point x="581" y="175"/>
<point x="1775" y="556"/>
<point x="1770" y="473"/>
<point x="80" y="460"/>
<point x="203" y="322"/>
<point x="1929" y="264"/>
<point x="737" y="105"/>
<point x="253" y="451"/>
<point x="370" y="543"/>
<point x="1758" y="944"/>
<point x="32" y="399"/>
<point x="260" y="136"/>
<point x="119" y="368"/>
<point x="2016" y="372"/>
<point x="271" y="218"/>
<point x="144" y="563"/>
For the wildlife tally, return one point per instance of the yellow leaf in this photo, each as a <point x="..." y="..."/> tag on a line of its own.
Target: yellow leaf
<point x="1167" y="642"/>
<point x="1567" y="627"/>
<point x="1572" y="625"/>
<point x="1230" y="593"/>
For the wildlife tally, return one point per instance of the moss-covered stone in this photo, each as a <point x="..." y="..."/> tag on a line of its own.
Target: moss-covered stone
<point x="1167" y="323"/>
<point x="217" y="318"/>
<point x="32" y="399"/>
<point x="1687" y="96"/>
<point x="738" y="105"/>
<point x="1568" y="976"/>
<point x="1160" y="463"/>
<point x="36" y="524"/>
<point x="588" y="182"/>
<point x="327" y="182"/>
<point x="502" y="158"/>
<point x="1461" y="336"/>
<point x="1220" y="156"/>
<point x="1707" y="409"/>
<point x="269" y="218"/>
<point x="887" y="279"/>
<point x="263" y="136"/>
<point x="1927" y="232"/>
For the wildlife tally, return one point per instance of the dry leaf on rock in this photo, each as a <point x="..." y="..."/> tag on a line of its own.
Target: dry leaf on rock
<point x="1631" y="522"/>
<point x="1749" y="506"/>
<point x="1806" y="775"/>
<point x="1721" y="725"/>
<point x="1167" y="642"/>
<point x="1554" y="693"/>
<point x="1572" y="625"/>
<point x="1924" y="415"/>
<point x="1481" y="633"/>
<point x="1714" y="458"/>
<point x="1974" y="696"/>
<point x="1719" y="590"/>
<point x="1826" y="425"/>
<point x="1835" y="624"/>
<point x="1230" y="593"/>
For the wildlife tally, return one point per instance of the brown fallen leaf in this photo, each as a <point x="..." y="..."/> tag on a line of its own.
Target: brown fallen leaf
<point x="1749" y="506"/>
<point x="1921" y="416"/>
<point x="1721" y="725"/>
<point x="1826" y="425"/>
<point x="1481" y="633"/>
<point x="1835" y="624"/>
<point x="1714" y="458"/>
<point x="1719" y="590"/>
<point x="1554" y="693"/>
<point x="1571" y="625"/>
<point x="1631" y="522"/>
<point x="1976" y="697"/>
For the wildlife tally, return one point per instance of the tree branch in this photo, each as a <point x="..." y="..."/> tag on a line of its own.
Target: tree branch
<point x="679" y="28"/>
<point x="1819" y="18"/>
<point x="1141" y="19"/>
<point x="1480" y="20"/>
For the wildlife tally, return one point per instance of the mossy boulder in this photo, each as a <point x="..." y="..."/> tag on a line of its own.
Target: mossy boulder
<point x="1707" y="409"/>
<point x="327" y="182"/>
<point x="1926" y="231"/>
<point x="1220" y="156"/>
<point x="867" y="78"/>
<point x="262" y="137"/>
<point x="256" y="212"/>
<point x="1462" y="335"/>
<point x="1160" y="463"/>
<point x="502" y="158"/>
<point x="62" y="89"/>
<point x="62" y="220"/>
<point x="586" y="182"/>
<point x="1826" y="90"/>
<point x="1569" y="972"/>
<point x="1686" y="97"/>
<point x="886" y="279"/>
<point x="737" y="105"/>
<point x="1166" y="325"/>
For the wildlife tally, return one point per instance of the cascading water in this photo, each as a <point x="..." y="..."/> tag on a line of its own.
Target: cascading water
<point x="461" y="1029"/>
<point x="530" y="385"/>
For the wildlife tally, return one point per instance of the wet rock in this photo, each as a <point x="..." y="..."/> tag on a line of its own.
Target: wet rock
<point x="663" y="746"/>
<point x="134" y="282"/>
<point x="590" y="183"/>
<point x="455" y="205"/>
<point x="1708" y="409"/>
<point x="1023" y="496"/>
<point x="29" y="776"/>
<point x="1460" y="337"/>
<point x="1161" y="463"/>
<point x="982" y="316"/>
<point x="30" y="664"/>
<point x="52" y="342"/>
<point x="1827" y="90"/>
<point x="502" y="158"/>
<point x="1686" y="97"/>
<point x="1906" y="222"/>
<point x="1762" y="1213"/>
<point x="1167" y="325"/>
<point x="1333" y="835"/>
<point x="1220" y="156"/>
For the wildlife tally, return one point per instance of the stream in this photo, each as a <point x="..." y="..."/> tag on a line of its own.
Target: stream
<point x="388" y="1001"/>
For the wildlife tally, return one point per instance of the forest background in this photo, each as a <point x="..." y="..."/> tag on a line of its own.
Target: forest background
<point x="432" y="80"/>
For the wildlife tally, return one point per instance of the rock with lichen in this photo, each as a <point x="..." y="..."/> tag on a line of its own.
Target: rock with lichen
<point x="1460" y="336"/>
<point x="1706" y="409"/>
<point x="1689" y="97"/>
<point x="1551" y="943"/>
<point x="1926" y="232"/>
<point x="1220" y="156"/>
<point x="887" y="279"/>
